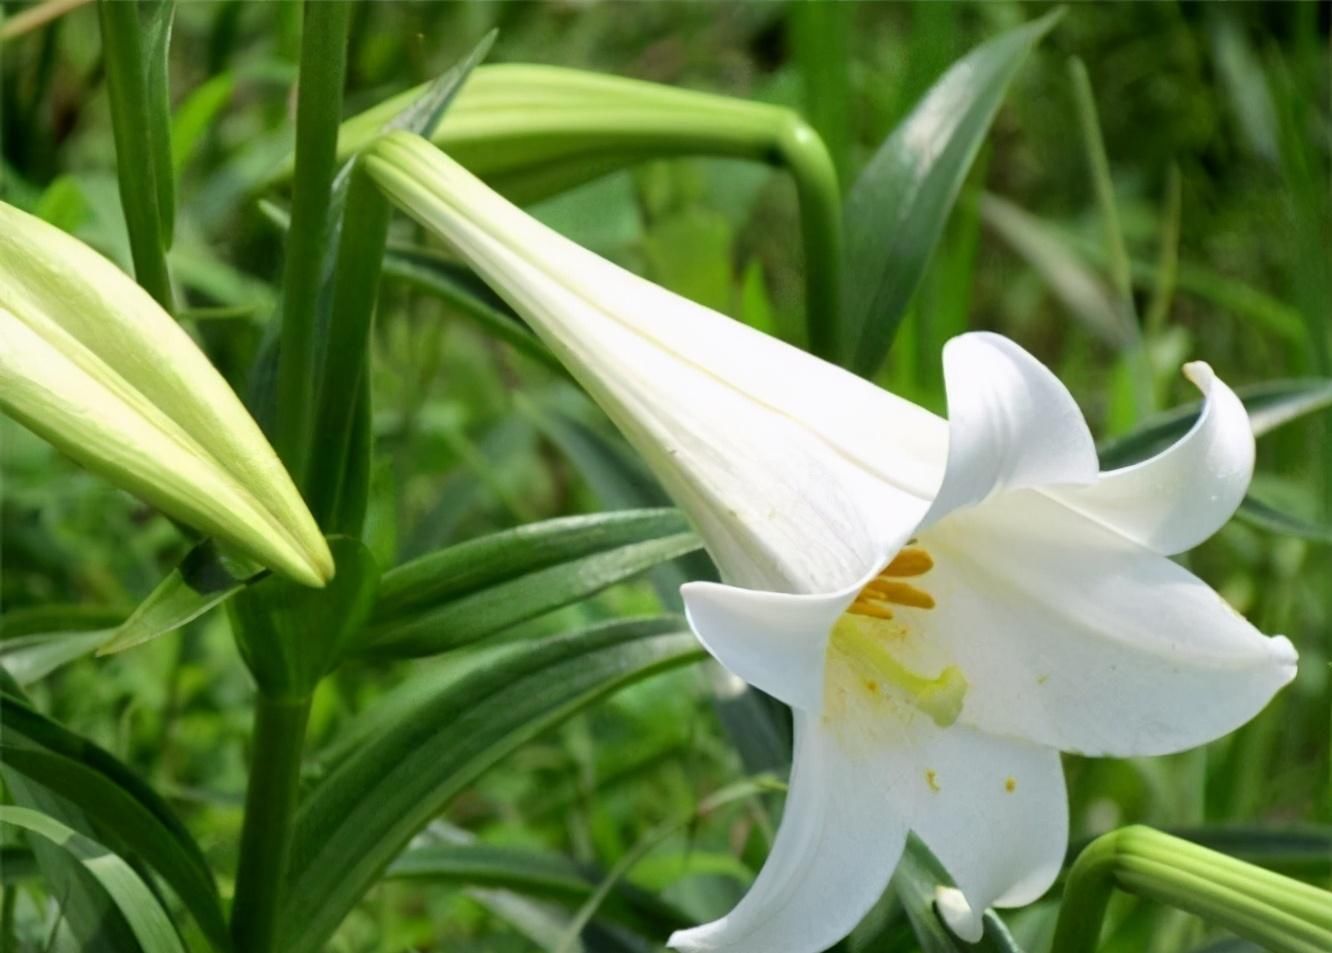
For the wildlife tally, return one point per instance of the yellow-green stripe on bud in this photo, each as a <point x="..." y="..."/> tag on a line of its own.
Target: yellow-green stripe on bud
<point x="90" y="362"/>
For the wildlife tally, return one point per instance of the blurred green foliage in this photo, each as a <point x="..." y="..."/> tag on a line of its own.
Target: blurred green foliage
<point x="1216" y="126"/>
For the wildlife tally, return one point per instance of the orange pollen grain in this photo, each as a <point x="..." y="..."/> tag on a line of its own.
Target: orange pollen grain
<point x="1010" y="785"/>
<point x="909" y="562"/>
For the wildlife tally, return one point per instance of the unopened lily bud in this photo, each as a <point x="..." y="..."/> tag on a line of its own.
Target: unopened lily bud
<point x="90" y="362"/>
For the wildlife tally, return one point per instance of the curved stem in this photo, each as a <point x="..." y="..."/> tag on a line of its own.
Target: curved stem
<point x="270" y="808"/>
<point x="1278" y="913"/>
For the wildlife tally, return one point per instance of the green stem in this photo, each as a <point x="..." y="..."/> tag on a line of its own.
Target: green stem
<point x="270" y="809"/>
<point x="318" y="108"/>
<point x="142" y="186"/>
<point x="820" y="196"/>
<point x="1276" y="912"/>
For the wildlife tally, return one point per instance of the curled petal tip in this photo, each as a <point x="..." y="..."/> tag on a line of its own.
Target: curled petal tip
<point x="1284" y="654"/>
<point x="1200" y="373"/>
<point x="957" y="913"/>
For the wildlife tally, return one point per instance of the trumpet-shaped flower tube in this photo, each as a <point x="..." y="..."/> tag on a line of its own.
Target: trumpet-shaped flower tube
<point x="945" y="604"/>
<point x="92" y="364"/>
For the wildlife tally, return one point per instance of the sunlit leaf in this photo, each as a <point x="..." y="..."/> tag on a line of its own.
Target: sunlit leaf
<point x="898" y="207"/>
<point x="201" y="582"/>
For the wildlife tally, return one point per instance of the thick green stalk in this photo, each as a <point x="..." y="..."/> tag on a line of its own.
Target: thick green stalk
<point x="137" y="168"/>
<point x="1276" y="912"/>
<point x="318" y="109"/>
<point x="270" y="807"/>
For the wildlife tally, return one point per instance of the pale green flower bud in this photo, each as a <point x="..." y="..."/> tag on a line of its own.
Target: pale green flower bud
<point x="92" y="364"/>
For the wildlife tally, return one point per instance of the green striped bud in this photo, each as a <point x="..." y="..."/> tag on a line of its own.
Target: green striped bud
<point x="90" y="362"/>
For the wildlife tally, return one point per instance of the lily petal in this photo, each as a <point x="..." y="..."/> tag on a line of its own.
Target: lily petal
<point x="1073" y="636"/>
<point x="793" y="470"/>
<point x="1011" y="425"/>
<point x="774" y="641"/>
<point x="1184" y="494"/>
<point x="841" y="835"/>
<point x="996" y="817"/>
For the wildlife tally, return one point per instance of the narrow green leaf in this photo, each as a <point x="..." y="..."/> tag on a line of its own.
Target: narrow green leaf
<point x="156" y="19"/>
<point x="363" y="814"/>
<point x="427" y="109"/>
<point x="140" y="123"/>
<point x="897" y="209"/>
<point x="1268" y="517"/>
<point x="201" y="582"/>
<point x="466" y="568"/>
<point x="136" y="829"/>
<point x="30" y="658"/>
<point x="460" y="619"/>
<point x="1270" y="405"/>
<point x="340" y="374"/>
<point x="150" y="923"/>
<point x="36" y="641"/>
<point x="536" y="874"/>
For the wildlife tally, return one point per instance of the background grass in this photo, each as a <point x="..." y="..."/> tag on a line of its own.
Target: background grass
<point x="1215" y="123"/>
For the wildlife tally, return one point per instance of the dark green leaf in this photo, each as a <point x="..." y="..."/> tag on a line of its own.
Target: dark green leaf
<point x="897" y="209"/>
<point x="201" y="582"/>
<point x="136" y="902"/>
<point x="363" y="814"/>
<point x="444" y="601"/>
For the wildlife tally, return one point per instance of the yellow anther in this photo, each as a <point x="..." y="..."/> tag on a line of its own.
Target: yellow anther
<point x="1010" y="785"/>
<point x="899" y="593"/>
<point x="909" y="562"/>
<point x="872" y="609"/>
<point x="932" y="779"/>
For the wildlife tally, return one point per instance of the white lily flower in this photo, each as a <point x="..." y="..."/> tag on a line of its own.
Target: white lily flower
<point x="945" y="605"/>
<point x="90" y="362"/>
